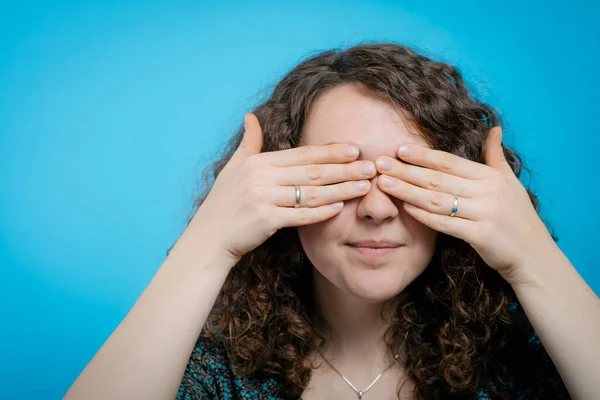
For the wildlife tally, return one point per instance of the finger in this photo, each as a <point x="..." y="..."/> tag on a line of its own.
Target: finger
<point x="313" y="154"/>
<point x="324" y="174"/>
<point x="429" y="200"/>
<point x="306" y="215"/>
<point x="494" y="153"/>
<point x="454" y="226"/>
<point x="251" y="141"/>
<point x="427" y="178"/>
<point x="442" y="161"/>
<point x="314" y="196"/>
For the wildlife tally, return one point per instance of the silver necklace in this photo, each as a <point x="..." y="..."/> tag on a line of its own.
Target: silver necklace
<point x="360" y="393"/>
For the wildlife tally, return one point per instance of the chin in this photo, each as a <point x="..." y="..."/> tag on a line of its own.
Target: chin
<point x="375" y="291"/>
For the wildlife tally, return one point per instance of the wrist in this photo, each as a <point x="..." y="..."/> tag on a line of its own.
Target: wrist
<point x="199" y="248"/>
<point x="536" y="269"/>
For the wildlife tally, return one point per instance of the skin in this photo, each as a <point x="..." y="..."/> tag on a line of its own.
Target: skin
<point x="146" y="355"/>
<point x="351" y="289"/>
<point x="495" y="216"/>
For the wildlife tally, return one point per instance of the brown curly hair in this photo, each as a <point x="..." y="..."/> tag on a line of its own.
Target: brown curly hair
<point x="468" y="335"/>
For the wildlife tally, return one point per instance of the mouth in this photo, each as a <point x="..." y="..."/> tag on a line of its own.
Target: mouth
<point x="373" y="244"/>
<point x="373" y="251"/>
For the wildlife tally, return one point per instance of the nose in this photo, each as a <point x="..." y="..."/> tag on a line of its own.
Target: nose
<point x="376" y="205"/>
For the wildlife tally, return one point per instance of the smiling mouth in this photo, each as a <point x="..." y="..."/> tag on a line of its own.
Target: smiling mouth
<point x="374" y="246"/>
<point x="374" y="252"/>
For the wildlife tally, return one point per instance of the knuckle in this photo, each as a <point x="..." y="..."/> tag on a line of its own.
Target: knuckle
<point x="436" y="178"/>
<point x="255" y="172"/>
<point x="437" y="199"/>
<point x="304" y="153"/>
<point x="446" y="162"/>
<point x="304" y="217"/>
<point x="443" y="223"/>
<point x="257" y="192"/>
<point x="254" y="177"/>
<point x="312" y="194"/>
<point x="314" y="173"/>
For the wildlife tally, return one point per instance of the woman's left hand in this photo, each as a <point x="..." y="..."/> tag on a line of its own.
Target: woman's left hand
<point x="494" y="212"/>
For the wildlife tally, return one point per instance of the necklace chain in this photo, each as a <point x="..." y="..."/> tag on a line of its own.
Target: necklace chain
<point x="360" y="393"/>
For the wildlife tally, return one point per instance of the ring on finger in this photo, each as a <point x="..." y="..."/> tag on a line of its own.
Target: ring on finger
<point x="454" y="206"/>
<point x="298" y="194"/>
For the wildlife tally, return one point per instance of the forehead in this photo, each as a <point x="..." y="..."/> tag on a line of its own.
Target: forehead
<point x="349" y="114"/>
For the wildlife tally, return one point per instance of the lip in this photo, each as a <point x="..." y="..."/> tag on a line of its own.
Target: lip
<point x="376" y="244"/>
<point x="374" y="250"/>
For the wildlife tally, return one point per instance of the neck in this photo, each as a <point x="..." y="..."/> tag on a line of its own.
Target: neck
<point x="357" y="327"/>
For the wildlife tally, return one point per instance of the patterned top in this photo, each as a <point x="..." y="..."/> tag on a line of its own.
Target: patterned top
<point x="208" y="376"/>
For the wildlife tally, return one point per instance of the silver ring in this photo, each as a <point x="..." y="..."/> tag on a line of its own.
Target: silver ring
<point x="297" y="204"/>
<point x="454" y="206"/>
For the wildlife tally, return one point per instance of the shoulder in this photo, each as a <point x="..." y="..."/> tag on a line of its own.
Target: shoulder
<point x="208" y="375"/>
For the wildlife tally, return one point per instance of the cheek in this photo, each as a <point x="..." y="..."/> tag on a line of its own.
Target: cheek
<point x="426" y="233"/>
<point x="327" y="232"/>
<point x="321" y="243"/>
<point x="322" y="233"/>
<point x="424" y="246"/>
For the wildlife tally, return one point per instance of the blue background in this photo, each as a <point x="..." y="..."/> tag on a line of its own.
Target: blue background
<point x="109" y="111"/>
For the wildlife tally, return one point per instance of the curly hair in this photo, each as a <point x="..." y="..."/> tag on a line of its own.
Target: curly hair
<point x="467" y="334"/>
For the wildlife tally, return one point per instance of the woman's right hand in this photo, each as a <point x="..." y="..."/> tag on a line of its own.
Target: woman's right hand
<point x="254" y="194"/>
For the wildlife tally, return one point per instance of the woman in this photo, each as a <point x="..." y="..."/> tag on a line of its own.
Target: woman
<point x="366" y="236"/>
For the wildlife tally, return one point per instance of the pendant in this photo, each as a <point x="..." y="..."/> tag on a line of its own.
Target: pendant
<point x="360" y="395"/>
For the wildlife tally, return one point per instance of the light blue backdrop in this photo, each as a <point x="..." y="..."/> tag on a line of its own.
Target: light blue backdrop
<point x="110" y="109"/>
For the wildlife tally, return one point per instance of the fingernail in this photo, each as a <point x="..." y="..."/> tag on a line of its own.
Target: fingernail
<point x="405" y="151"/>
<point x="336" y="206"/>
<point x="387" y="181"/>
<point x="367" y="168"/>
<point x="350" y="151"/>
<point x="361" y="185"/>
<point x="245" y="122"/>
<point x="384" y="164"/>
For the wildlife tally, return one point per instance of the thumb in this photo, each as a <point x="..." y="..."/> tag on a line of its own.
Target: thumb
<point x="493" y="152"/>
<point x="252" y="140"/>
